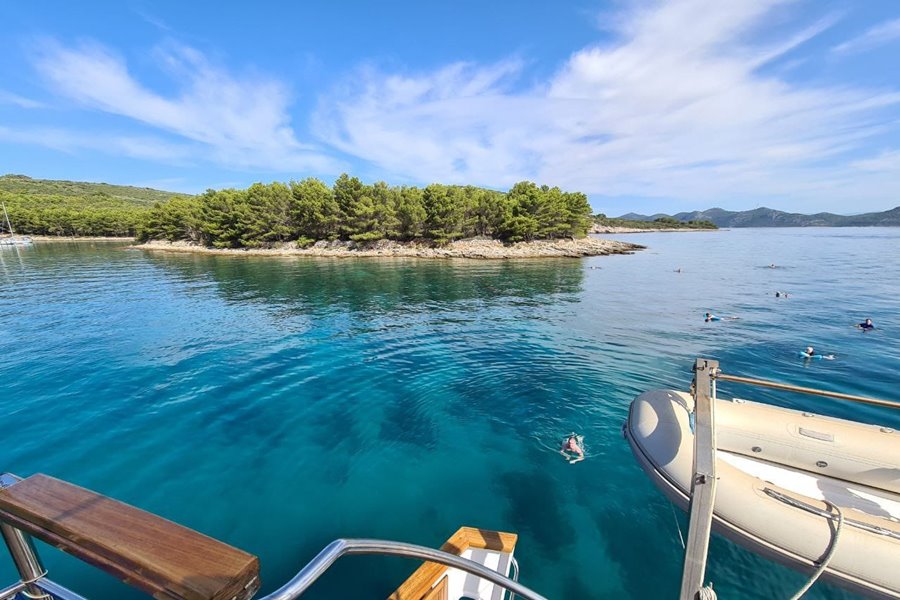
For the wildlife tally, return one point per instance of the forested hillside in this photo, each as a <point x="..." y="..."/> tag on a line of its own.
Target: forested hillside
<point x="72" y="208"/>
<point x="308" y="211"/>
<point x="659" y="222"/>
<point x="300" y="211"/>
<point x="21" y="184"/>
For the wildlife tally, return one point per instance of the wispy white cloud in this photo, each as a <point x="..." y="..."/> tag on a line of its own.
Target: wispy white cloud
<point x="152" y="19"/>
<point x="888" y="161"/>
<point x="20" y="101"/>
<point x="872" y="38"/>
<point x="240" y="122"/>
<point x="142" y="147"/>
<point x="675" y="106"/>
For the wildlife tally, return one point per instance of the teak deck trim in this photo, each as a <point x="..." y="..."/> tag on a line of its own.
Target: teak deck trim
<point x="162" y="558"/>
<point x="423" y="579"/>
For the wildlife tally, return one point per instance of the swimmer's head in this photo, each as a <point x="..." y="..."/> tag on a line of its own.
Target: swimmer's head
<point x="809" y="349"/>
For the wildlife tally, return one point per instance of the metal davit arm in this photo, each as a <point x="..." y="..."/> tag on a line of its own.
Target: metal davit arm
<point x="341" y="547"/>
<point x="703" y="482"/>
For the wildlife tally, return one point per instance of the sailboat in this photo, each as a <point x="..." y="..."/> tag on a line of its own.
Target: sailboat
<point x="11" y="239"/>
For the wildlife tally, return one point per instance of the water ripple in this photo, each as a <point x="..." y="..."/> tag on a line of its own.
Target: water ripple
<point x="404" y="398"/>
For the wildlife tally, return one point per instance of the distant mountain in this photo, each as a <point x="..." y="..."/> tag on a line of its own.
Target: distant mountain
<point x="767" y="217"/>
<point x="22" y="184"/>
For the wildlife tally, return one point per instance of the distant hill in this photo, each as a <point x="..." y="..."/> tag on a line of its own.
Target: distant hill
<point x="75" y="208"/>
<point x="139" y="196"/>
<point x="767" y="217"/>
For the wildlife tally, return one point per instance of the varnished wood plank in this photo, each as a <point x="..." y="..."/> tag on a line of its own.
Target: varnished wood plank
<point x="438" y="592"/>
<point x="498" y="541"/>
<point x="166" y="560"/>
<point x="420" y="582"/>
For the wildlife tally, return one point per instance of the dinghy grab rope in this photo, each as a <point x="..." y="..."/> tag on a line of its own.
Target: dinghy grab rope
<point x="827" y="515"/>
<point x="837" y="515"/>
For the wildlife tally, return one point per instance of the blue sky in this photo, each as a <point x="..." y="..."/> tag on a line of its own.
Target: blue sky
<point x="645" y="106"/>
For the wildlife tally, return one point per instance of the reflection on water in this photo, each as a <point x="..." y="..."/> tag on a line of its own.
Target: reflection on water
<point x="379" y="285"/>
<point x="279" y="403"/>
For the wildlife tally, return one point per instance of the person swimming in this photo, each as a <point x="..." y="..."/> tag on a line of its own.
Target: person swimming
<point x="866" y="325"/>
<point x="571" y="448"/>
<point x="810" y="352"/>
<point x="711" y="317"/>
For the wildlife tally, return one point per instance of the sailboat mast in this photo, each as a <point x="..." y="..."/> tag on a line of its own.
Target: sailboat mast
<point x="8" y="224"/>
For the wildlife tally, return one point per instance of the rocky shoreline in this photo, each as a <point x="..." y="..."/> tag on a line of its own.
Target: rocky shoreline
<point x="477" y="248"/>
<point x="84" y="238"/>
<point x="609" y="229"/>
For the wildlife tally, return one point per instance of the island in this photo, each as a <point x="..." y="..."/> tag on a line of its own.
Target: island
<point x="351" y="218"/>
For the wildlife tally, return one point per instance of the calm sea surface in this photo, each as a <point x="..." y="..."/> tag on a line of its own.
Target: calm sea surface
<point x="278" y="404"/>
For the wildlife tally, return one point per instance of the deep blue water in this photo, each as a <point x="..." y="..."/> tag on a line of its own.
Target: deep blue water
<point x="277" y="404"/>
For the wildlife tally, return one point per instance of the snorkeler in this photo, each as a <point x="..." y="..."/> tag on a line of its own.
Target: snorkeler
<point x="571" y="448"/>
<point x="811" y="353"/>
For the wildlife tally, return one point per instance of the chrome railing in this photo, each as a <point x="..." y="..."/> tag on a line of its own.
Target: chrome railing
<point x="514" y="565"/>
<point x="342" y="547"/>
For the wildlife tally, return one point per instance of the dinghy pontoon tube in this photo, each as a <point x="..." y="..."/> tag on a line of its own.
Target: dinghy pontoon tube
<point x="777" y="471"/>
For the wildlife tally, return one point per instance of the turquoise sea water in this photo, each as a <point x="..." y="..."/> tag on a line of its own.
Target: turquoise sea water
<point x="278" y="404"/>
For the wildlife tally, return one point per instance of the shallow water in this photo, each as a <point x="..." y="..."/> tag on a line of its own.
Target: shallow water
<point x="279" y="403"/>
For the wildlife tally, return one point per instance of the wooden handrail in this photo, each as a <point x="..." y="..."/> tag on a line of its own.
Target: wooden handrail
<point x="162" y="558"/>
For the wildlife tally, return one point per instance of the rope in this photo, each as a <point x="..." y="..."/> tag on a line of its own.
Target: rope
<point x="707" y="593"/>
<point x="824" y="564"/>
<point x="677" y="525"/>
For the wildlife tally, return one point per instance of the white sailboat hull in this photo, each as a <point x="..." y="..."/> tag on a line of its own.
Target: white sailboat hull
<point x="16" y="241"/>
<point x="775" y="468"/>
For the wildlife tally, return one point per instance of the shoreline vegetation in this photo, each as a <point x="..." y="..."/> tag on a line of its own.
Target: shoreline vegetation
<point x="308" y="217"/>
<point x="472" y="248"/>
<point x="308" y="212"/>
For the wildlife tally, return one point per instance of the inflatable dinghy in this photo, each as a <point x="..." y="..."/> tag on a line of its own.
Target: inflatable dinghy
<point x="780" y="474"/>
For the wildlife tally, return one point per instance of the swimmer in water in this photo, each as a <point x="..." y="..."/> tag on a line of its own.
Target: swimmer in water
<point x="571" y="449"/>
<point x="811" y="353"/>
<point x="866" y="325"/>
<point x="711" y="317"/>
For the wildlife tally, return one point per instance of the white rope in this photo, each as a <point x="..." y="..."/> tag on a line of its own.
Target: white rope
<point x="677" y="526"/>
<point x="707" y="593"/>
<point x="828" y="555"/>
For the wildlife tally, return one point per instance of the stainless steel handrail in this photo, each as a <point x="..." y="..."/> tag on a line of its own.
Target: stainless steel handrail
<point x="10" y="592"/>
<point x="341" y="547"/>
<point x="803" y="390"/>
<point x="514" y="565"/>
